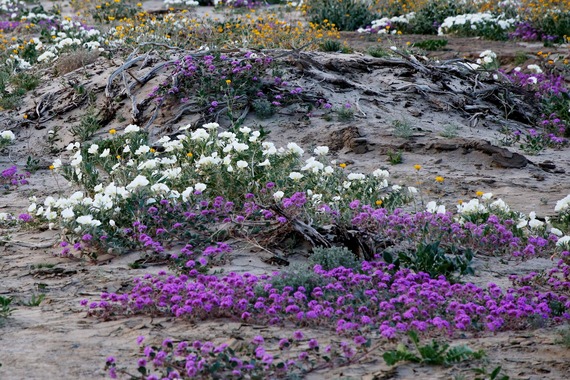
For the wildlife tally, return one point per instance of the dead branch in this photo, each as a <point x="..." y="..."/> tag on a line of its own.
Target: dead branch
<point x="121" y="69"/>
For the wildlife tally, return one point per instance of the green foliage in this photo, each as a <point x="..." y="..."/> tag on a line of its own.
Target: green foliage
<point x="554" y="24"/>
<point x="108" y="11"/>
<point x="434" y="353"/>
<point x="334" y="257"/>
<point x="345" y="15"/>
<point x="298" y="275"/>
<point x="87" y="127"/>
<point x="395" y="157"/>
<point x="378" y="52"/>
<point x="430" y="45"/>
<point x="564" y="338"/>
<point x="402" y="128"/>
<point x="334" y="46"/>
<point x="433" y="259"/>
<point x="36" y="300"/>
<point x="494" y="375"/>
<point x="14" y="86"/>
<point x="32" y="164"/>
<point x="449" y="131"/>
<point x="331" y="45"/>
<point x="344" y="113"/>
<point x="434" y="12"/>
<point x="263" y="108"/>
<point x="26" y="81"/>
<point x="43" y="265"/>
<point x="520" y="57"/>
<point x="5" y="308"/>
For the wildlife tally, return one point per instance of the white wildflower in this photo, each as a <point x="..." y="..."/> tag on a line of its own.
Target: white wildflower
<point x="295" y="175"/>
<point x="295" y="149"/>
<point x="199" y="134"/>
<point x="139" y="181"/>
<point x="132" y="128"/>
<point x="321" y="150"/>
<point x="356" y="176"/>
<point x="142" y="150"/>
<point x="93" y="149"/>
<point x="7" y="135"/>
<point x="211" y="125"/>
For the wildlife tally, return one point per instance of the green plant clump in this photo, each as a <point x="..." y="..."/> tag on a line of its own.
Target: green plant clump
<point x="395" y="157"/>
<point x="433" y="259"/>
<point x="434" y="353"/>
<point x="378" y="52"/>
<point x="5" y="308"/>
<point x="430" y="45"/>
<point x="334" y="257"/>
<point x="87" y="127"/>
<point x="298" y="275"/>
<point x="346" y="15"/>
<point x="403" y="129"/>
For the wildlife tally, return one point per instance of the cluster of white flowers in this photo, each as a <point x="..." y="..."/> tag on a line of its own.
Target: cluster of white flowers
<point x="190" y="159"/>
<point x="70" y="35"/>
<point x="17" y="62"/>
<point x="488" y="56"/>
<point x="381" y="24"/>
<point x="563" y="204"/>
<point x="7" y="136"/>
<point x="474" y="21"/>
<point x="434" y="208"/>
<point x="8" y="6"/>
<point x="534" y="68"/>
<point x="484" y="205"/>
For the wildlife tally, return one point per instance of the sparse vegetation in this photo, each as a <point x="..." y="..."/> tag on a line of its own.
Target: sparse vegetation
<point x="402" y="129"/>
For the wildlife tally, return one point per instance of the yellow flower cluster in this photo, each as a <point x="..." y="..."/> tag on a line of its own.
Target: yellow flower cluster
<point x="243" y="31"/>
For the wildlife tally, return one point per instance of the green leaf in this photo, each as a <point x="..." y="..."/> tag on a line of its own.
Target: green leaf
<point x="391" y="357"/>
